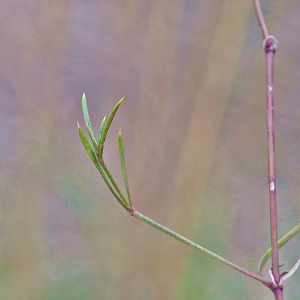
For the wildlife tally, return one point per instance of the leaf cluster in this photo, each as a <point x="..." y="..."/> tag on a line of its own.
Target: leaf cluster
<point x="96" y="153"/>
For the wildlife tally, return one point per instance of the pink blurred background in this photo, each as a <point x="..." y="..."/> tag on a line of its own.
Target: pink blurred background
<point x="194" y="127"/>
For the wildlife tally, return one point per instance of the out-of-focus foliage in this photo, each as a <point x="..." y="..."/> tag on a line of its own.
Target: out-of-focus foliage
<point x="193" y="122"/>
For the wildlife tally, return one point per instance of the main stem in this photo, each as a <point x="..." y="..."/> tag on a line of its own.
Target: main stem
<point x="271" y="162"/>
<point x="278" y="292"/>
<point x="270" y="48"/>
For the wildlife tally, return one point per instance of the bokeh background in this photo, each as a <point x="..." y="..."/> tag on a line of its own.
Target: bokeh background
<point x="194" y="127"/>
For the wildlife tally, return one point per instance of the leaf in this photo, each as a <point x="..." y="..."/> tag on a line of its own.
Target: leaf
<point x="87" y="146"/>
<point x="291" y="272"/>
<point x="122" y="160"/>
<point x="280" y="243"/>
<point x="106" y="127"/>
<point x="101" y="129"/>
<point x="93" y="157"/>
<point x="88" y="122"/>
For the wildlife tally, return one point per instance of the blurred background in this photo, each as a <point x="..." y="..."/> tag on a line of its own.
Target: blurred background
<point x="194" y="127"/>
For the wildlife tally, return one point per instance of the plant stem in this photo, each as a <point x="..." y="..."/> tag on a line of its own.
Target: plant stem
<point x="103" y="165"/>
<point x="270" y="48"/>
<point x="261" y="19"/>
<point x="278" y="292"/>
<point x="271" y="162"/>
<point x="190" y="243"/>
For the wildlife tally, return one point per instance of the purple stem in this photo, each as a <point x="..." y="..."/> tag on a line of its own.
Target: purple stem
<point x="270" y="49"/>
<point x="271" y="162"/>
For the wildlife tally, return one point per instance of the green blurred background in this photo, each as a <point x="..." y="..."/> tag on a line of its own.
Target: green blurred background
<point x="194" y="127"/>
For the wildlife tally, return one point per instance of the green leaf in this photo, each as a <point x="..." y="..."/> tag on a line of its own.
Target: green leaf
<point x="280" y="243"/>
<point x="122" y="160"/>
<point x="88" y="122"/>
<point x="106" y="127"/>
<point x="101" y="129"/>
<point x="87" y="145"/>
<point x="93" y="157"/>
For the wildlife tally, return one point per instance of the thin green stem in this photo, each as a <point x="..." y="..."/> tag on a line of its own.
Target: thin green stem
<point x="114" y="183"/>
<point x="190" y="243"/>
<point x="121" y="201"/>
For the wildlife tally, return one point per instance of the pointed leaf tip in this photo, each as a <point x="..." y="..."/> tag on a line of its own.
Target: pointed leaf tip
<point x="101" y="129"/>
<point x="106" y="127"/>
<point x="88" y="121"/>
<point x="83" y="101"/>
<point x="120" y="136"/>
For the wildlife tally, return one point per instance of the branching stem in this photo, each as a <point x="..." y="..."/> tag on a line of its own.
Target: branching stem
<point x="192" y="244"/>
<point x="269" y="44"/>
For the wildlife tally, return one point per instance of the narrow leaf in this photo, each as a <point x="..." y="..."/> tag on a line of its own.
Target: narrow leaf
<point x="106" y="127"/>
<point x="88" y="122"/>
<point x="101" y="129"/>
<point x="122" y="160"/>
<point x="87" y="145"/>
<point x="93" y="157"/>
<point x="281" y="242"/>
<point x="271" y="275"/>
<point x="292" y="271"/>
